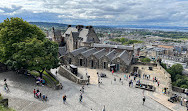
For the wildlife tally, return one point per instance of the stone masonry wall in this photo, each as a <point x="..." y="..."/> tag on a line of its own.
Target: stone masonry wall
<point x="69" y="75"/>
<point x="167" y="77"/>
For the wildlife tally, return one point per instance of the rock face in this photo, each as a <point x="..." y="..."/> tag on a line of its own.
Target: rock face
<point x="4" y="102"/>
<point x="3" y="67"/>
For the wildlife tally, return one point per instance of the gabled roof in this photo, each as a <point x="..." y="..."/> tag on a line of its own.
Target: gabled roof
<point x="83" y="34"/>
<point x="89" y="52"/>
<point x="70" y="29"/>
<point x="62" y="51"/>
<point x="111" y="54"/>
<point x="78" y="51"/>
<point x="124" y="56"/>
<point x="57" y="33"/>
<point x="75" y="35"/>
<point x="100" y="53"/>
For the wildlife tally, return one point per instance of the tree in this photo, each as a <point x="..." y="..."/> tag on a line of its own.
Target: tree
<point x="177" y="68"/>
<point x="163" y="65"/>
<point x="34" y="54"/>
<point x="146" y="60"/>
<point x="24" y="46"/>
<point x="15" y="30"/>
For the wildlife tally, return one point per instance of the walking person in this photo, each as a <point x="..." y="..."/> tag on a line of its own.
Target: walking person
<point x="143" y="76"/>
<point x="103" y="108"/>
<point x="144" y="99"/>
<point x="80" y="98"/>
<point x="112" y="71"/>
<point x="181" y="101"/>
<point x="56" y="72"/>
<point x="6" y="87"/>
<point x="34" y="92"/>
<point x="120" y="79"/>
<point x="64" y="98"/>
<point x="132" y="83"/>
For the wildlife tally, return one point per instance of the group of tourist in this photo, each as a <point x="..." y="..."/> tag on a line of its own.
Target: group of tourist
<point x="156" y="80"/>
<point x="38" y="95"/>
<point x="40" y="81"/>
<point x="146" y="76"/>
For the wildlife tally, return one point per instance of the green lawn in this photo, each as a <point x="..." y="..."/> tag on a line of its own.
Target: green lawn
<point x="57" y="82"/>
<point x="45" y="78"/>
<point x="2" y="108"/>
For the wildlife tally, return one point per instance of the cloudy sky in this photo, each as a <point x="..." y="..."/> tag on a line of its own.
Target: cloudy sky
<point x="99" y="12"/>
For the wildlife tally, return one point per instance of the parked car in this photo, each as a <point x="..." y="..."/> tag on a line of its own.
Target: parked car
<point x="102" y="75"/>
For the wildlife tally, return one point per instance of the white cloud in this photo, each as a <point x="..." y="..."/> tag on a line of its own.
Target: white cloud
<point x="103" y="12"/>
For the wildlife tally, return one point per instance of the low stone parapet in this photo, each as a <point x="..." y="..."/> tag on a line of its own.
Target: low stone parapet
<point x="63" y="71"/>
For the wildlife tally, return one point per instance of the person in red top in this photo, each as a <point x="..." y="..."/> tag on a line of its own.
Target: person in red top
<point x="34" y="92"/>
<point x="112" y="71"/>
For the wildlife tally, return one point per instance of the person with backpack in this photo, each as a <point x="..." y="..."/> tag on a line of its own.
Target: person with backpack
<point x="64" y="98"/>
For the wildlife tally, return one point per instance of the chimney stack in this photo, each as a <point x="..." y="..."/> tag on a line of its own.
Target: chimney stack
<point x="79" y="27"/>
<point x="89" y="27"/>
<point x="69" y="26"/>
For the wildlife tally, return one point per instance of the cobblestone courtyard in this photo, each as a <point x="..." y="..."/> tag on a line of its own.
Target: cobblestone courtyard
<point x="114" y="95"/>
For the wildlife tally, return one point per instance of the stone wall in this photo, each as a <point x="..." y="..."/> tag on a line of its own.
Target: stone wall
<point x="167" y="77"/>
<point x="178" y="89"/>
<point x="69" y="75"/>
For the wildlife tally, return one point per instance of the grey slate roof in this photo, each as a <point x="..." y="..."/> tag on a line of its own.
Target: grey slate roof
<point x="113" y="46"/>
<point x="70" y="29"/>
<point x="78" y="51"/>
<point x="75" y="35"/>
<point x="62" y="51"/>
<point x="57" y="33"/>
<point x="89" y="52"/>
<point x="100" y="53"/>
<point x="82" y="33"/>
<point x="124" y="56"/>
<point x="111" y="54"/>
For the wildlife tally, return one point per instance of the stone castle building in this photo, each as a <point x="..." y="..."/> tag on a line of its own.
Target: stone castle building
<point x="101" y="56"/>
<point x="80" y="46"/>
<point x="80" y="36"/>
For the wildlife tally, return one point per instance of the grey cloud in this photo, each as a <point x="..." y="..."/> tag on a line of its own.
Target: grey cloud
<point x="11" y="10"/>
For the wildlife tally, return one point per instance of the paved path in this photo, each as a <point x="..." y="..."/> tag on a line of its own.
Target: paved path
<point x="115" y="96"/>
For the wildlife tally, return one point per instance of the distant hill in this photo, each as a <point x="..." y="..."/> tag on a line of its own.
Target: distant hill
<point x="47" y="24"/>
<point x="164" y="28"/>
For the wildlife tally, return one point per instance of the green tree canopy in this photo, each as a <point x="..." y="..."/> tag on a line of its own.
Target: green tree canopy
<point x="15" y="30"/>
<point x="34" y="54"/>
<point x="146" y="60"/>
<point x="24" y="46"/>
